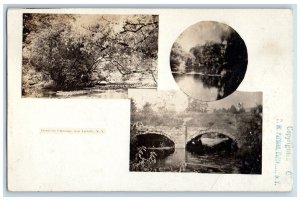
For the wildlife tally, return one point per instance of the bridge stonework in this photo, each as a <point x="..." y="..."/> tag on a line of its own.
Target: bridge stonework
<point x="177" y="134"/>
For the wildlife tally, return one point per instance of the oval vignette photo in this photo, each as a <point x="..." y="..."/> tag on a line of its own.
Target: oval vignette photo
<point x="209" y="60"/>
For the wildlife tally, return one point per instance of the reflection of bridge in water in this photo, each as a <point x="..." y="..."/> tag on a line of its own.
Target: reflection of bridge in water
<point x="186" y="153"/>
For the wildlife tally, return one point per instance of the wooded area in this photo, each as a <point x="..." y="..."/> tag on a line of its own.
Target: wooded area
<point x="69" y="52"/>
<point x="211" y="58"/>
<point x="209" y="55"/>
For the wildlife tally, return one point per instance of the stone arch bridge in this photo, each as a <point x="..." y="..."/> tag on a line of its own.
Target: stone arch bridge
<point x="178" y="136"/>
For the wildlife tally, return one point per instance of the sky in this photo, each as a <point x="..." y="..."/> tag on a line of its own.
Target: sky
<point x="249" y="99"/>
<point x="201" y="32"/>
<point x="170" y="99"/>
<point x="178" y="100"/>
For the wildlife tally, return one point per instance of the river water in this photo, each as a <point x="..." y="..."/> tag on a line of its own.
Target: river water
<point x="89" y="92"/>
<point x="201" y="87"/>
<point x="184" y="161"/>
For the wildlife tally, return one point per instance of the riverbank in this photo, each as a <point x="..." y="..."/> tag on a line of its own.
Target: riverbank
<point x="92" y="92"/>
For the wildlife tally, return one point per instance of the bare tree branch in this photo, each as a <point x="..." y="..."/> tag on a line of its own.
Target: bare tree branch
<point x="135" y="27"/>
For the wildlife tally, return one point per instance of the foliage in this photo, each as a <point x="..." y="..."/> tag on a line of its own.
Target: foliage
<point x="195" y="105"/>
<point x="74" y="53"/>
<point x="149" y="116"/>
<point x="219" y="63"/>
<point x="249" y="126"/>
<point x="233" y="109"/>
<point x="209" y="58"/>
<point x="141" y="162"/>
<point x="229" y="55"/>
<point x="147" y="109"/>
<point x="178" y="57"/>
<point x="133" y="107"/>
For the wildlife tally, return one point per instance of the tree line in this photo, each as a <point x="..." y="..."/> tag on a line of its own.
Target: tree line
<point x="227" y="56"/>
<point x="148" y="113"/>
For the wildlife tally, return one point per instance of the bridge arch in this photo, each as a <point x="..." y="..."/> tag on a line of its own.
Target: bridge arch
<point x="212" y="142"/>
<point x="153" y="141"/>
<point x="202" y="132"/>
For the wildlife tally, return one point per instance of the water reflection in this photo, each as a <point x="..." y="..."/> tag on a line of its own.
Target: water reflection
<point x="84" y="93"/>
<point x="217" y="60"/>
<point x="206" y="163"/>
<point x="193" y="86"/>
<point x="207" y="87"/>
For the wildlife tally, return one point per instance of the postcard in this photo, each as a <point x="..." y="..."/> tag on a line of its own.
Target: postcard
<point x="150" y="99"/>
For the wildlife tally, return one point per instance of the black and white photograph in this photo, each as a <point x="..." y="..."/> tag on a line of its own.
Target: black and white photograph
<point x="208" y="60"/>
<point x="171" y="132"/>
<point x="88" y="55"/>
<point x="116" y="98"/>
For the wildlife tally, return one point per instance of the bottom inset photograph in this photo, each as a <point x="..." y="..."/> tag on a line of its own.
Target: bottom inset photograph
<point x="171" y="132"/>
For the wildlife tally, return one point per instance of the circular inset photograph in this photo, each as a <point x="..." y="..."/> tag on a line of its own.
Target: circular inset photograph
<point x="209" y="60"/>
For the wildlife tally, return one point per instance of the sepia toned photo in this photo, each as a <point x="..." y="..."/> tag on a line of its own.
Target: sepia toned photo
<point x="74" y="55"/>
<point x="150" y="99"/>
<point x="209" y="60"/>
<point x="171" y="132"/>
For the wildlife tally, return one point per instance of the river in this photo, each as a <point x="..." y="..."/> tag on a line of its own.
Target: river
<point x="202" y="87"/>
<point x="207" y="163"/>
<point x="92" y="92"/>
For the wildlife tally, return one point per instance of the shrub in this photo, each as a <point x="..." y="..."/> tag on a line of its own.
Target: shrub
<point x="141" y="162"/>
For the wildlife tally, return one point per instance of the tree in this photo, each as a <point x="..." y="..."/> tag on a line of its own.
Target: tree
<point x="76" y="54"/>
<point x="131" y="49"/>
<point x="177" y="58"/>
<point x="147" y="109"/>
<point x="195" y="105"/>
<point x="133" y="107"/>
<point x="210" y="56"/>
<point x="233" y="109"/>
<point x="52" y="51"/>
<point x="134" y="115"/>
<point x="241" y="108"/>
<point x="250" y="153"/>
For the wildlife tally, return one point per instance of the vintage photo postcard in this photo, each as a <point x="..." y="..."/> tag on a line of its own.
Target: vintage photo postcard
<point x="150" y="100"/>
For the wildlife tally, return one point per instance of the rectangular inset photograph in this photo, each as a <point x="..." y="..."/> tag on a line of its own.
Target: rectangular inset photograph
<point x="171" y="132"/>
<point x="82" y="55"/>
